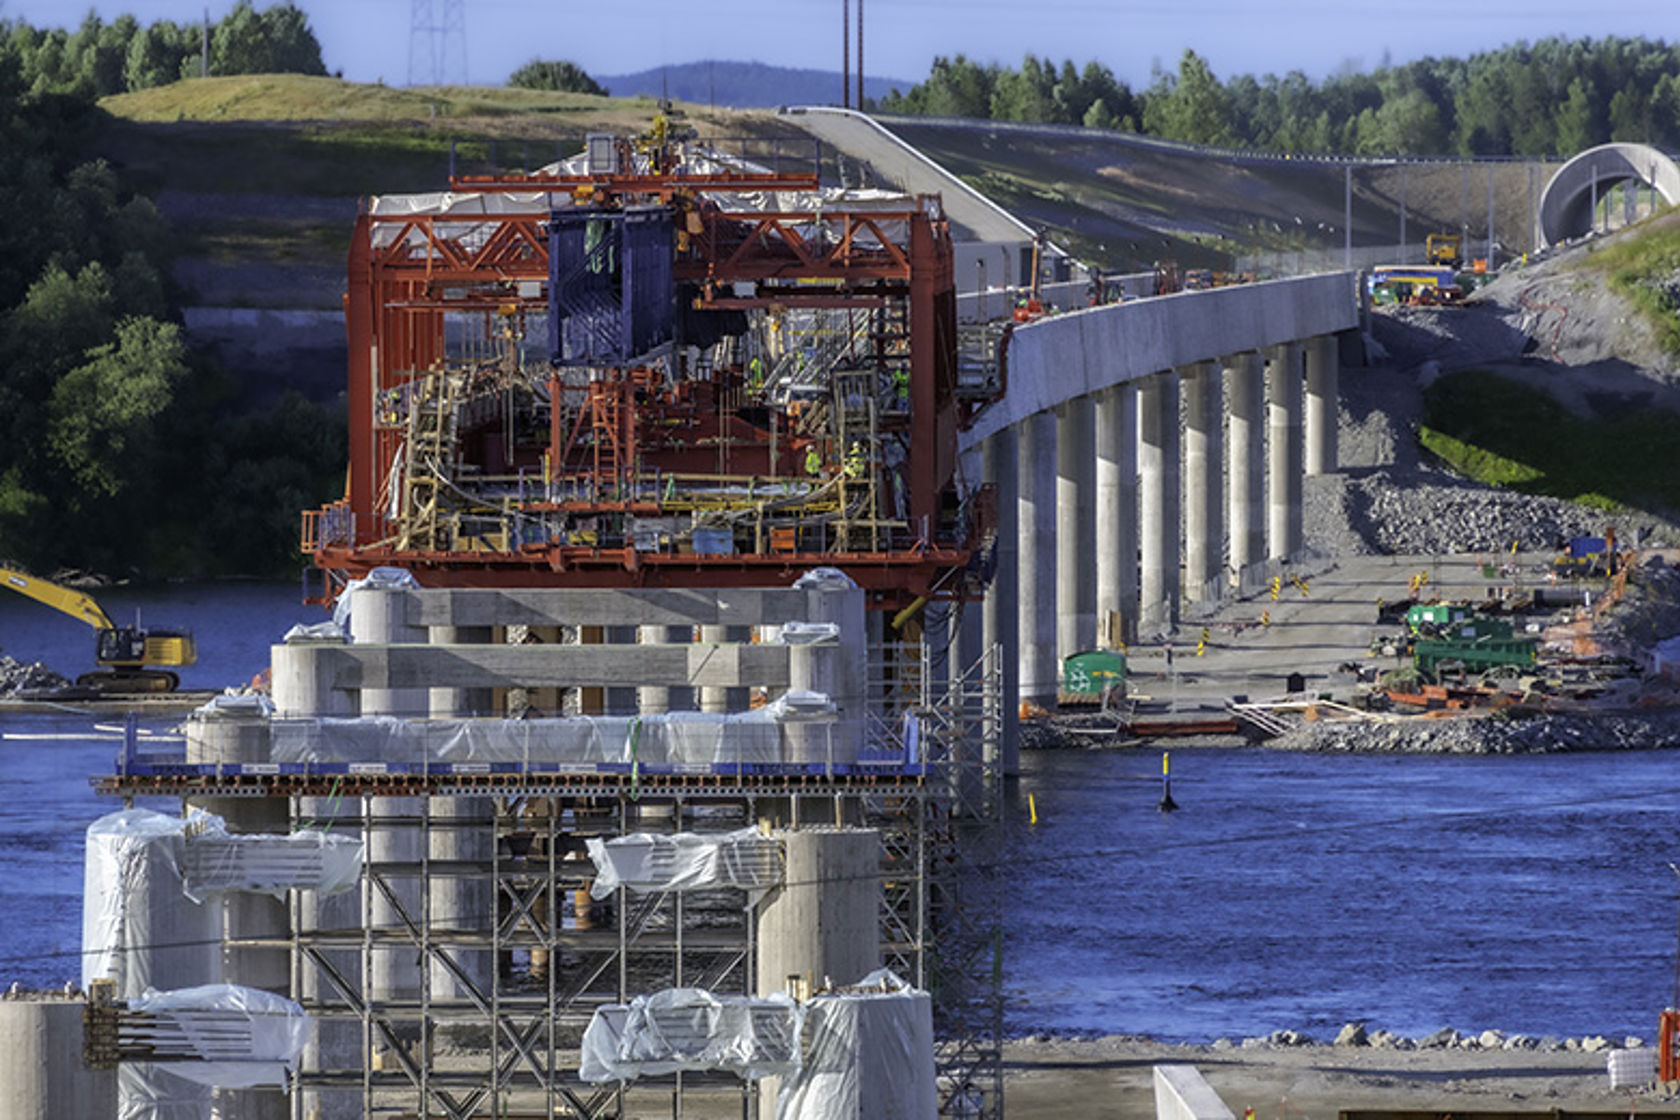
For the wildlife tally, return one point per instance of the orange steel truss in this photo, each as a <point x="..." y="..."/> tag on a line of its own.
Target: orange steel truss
<point x="409" y="272"/>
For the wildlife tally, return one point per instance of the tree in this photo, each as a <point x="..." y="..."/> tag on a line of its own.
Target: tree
<point x="101" y="413"/>
<point x="1191" y="107"/>
<point x="156" y="54"/>
<point x="1577" y="130"/>
<point x="275" y="41"/>
<point x="563" y="76"/>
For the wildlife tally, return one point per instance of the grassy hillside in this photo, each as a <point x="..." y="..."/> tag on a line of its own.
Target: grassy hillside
<point x="1502" y="432"/>
<point x="1646" y="269"/>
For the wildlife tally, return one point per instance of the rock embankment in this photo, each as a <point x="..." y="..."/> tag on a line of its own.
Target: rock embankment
<point x="18" y="676"/>
<point x="1541" y="734"/>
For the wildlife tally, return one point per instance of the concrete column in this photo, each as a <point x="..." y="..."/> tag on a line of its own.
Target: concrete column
<point x="825" y="921"/>
<point x="1204" y="521"/>
<point x="652" y="699"/>
<point x="1000" y="620"/>
<point x="1076" y="530"/>
<point x="1244" y="391"/>
<point x="725" y="699"/>
<point x="841" y="668"/>
<point x="1158" y="500"/>
<point x="377" y="616"/>
<point x="41" y="1063"/>
<point x="1036" y="469"/>
<point x="448" y="703"/>
<point x="1117" y="510"/>
<point x="1323" y="375"/>
<point x="621" y="699"/>
<point x="462" y="831"/>
<point x="1283" y="452"/>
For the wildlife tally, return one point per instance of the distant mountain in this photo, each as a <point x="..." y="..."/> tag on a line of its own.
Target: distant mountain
<point x="743" y="85"/>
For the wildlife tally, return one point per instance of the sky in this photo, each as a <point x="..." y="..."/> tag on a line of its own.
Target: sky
<point x="369" y="40"/>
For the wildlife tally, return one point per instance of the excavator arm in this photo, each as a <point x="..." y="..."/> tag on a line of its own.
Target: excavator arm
<point x="71" y="602"/>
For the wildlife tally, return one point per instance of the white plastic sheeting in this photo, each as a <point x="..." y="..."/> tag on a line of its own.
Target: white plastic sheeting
<point x="146" y="875"/>
<point x="379" y="578"/>
<point x="269" y="863"/>
<point x="237" y="704"/>
<point x="138" y="926"/>
<point x="244" y="1038"/>
<point x="685" y="861"/>
<point x="867" y="1055"/>
<point x="690" y="1029"/>
<point x="670" y="738"/>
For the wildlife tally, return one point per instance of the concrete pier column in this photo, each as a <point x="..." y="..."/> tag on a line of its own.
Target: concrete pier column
<point x="725" y="699"/>
<point x="1204" y="520"/>
<point x="1244" y="394"/>
<point x="41" y="1063"/>
<point x="823" y="923"/>
<point x="1076" y="530"/>
<point x="621" y="699"/>
<point x="1323" y="389"/>
<point x="825" y="920"/>
<point x="377" y="616"/>
<point x="654" y="699"/>
<point x="1158" y="500"/>
<point x="1000" y="620"/>
<point x="1117" y="512"/>
<point x="462" y="831"/>
<point x="1036" y="470"/>
<point x="1283" y="452"/>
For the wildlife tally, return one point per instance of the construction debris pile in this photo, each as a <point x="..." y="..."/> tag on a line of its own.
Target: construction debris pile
<point x="18" y="677"/>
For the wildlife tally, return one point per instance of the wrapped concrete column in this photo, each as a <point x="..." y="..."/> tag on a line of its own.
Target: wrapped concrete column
<point x="867" y="1054"/>
<point x="141" y="931"/>
<point x="41" y="1065"/>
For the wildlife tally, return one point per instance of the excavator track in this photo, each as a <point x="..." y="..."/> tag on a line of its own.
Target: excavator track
<point x="128" y="681"/>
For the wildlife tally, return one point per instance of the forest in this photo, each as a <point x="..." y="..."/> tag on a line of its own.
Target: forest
<point x="1550" y="98"/>
<point x="122" y="451"/>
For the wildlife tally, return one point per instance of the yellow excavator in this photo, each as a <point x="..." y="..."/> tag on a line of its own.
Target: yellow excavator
<point x="131" y="659"/>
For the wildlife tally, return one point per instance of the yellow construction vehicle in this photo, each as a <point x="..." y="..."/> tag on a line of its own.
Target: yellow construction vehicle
<point x="132" y="659"/>
<point x="1444" y="249"/>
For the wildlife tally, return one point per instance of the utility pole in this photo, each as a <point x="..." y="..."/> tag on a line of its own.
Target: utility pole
<point x="860" y="58"/>
<point x="846" y="53"/>
<point x="204" y="47"/>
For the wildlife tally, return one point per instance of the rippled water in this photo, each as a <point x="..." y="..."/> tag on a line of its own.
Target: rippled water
<point x="1291" y="891"/>
<point x="1299" y="891"/>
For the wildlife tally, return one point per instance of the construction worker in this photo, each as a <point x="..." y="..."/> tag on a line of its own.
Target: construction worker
<point x="901" y="386"/>
<point x="755" y="374"/>
<point x="813" y="460"/>
<point x="855" y="461"/>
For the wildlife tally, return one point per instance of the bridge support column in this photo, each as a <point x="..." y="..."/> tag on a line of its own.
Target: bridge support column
<point x="1283" y="451"/>
<point x="1204" y="516"/>
<point x="1323" y="376"/>
<point x="1000" y="625"/>
<point x="1076" y="593"/>
<point x="654" y="699"/>
<point x="1117" y="512"/>
<point x="1244" y="391"/>
<point x="1036" y="469"/>
<point x="1158" y="502"/>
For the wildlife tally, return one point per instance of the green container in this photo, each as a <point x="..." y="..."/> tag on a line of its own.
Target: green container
<point x="1094" y="670"/>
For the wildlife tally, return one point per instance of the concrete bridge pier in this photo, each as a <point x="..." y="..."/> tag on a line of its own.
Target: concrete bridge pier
<point x="1284" y="520"/>
<point x="1036" y="470"/>
<point x="1323" y="389"/>
<point x="1076" y="536"/>
<point x="999" y="619"/>
<point x="1204" y="454"/>
<point x="1244" y="392"/>
<point x="1117" y="511"/>
<point x="1158" y="500"/>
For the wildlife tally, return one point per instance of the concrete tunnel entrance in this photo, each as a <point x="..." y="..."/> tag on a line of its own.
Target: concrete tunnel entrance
<point x="1568" y="202"/>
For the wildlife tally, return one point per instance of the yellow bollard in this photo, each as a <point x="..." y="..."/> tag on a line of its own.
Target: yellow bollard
<point x="1032" y="809"/>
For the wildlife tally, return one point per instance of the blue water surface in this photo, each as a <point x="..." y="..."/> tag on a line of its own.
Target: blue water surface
<point x="1296" y="891"/>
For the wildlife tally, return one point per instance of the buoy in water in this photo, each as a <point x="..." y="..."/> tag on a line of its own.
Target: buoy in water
<point x="1167" y="805"/>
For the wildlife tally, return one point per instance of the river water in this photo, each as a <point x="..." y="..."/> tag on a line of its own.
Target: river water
<point x="1290" y="891"/>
